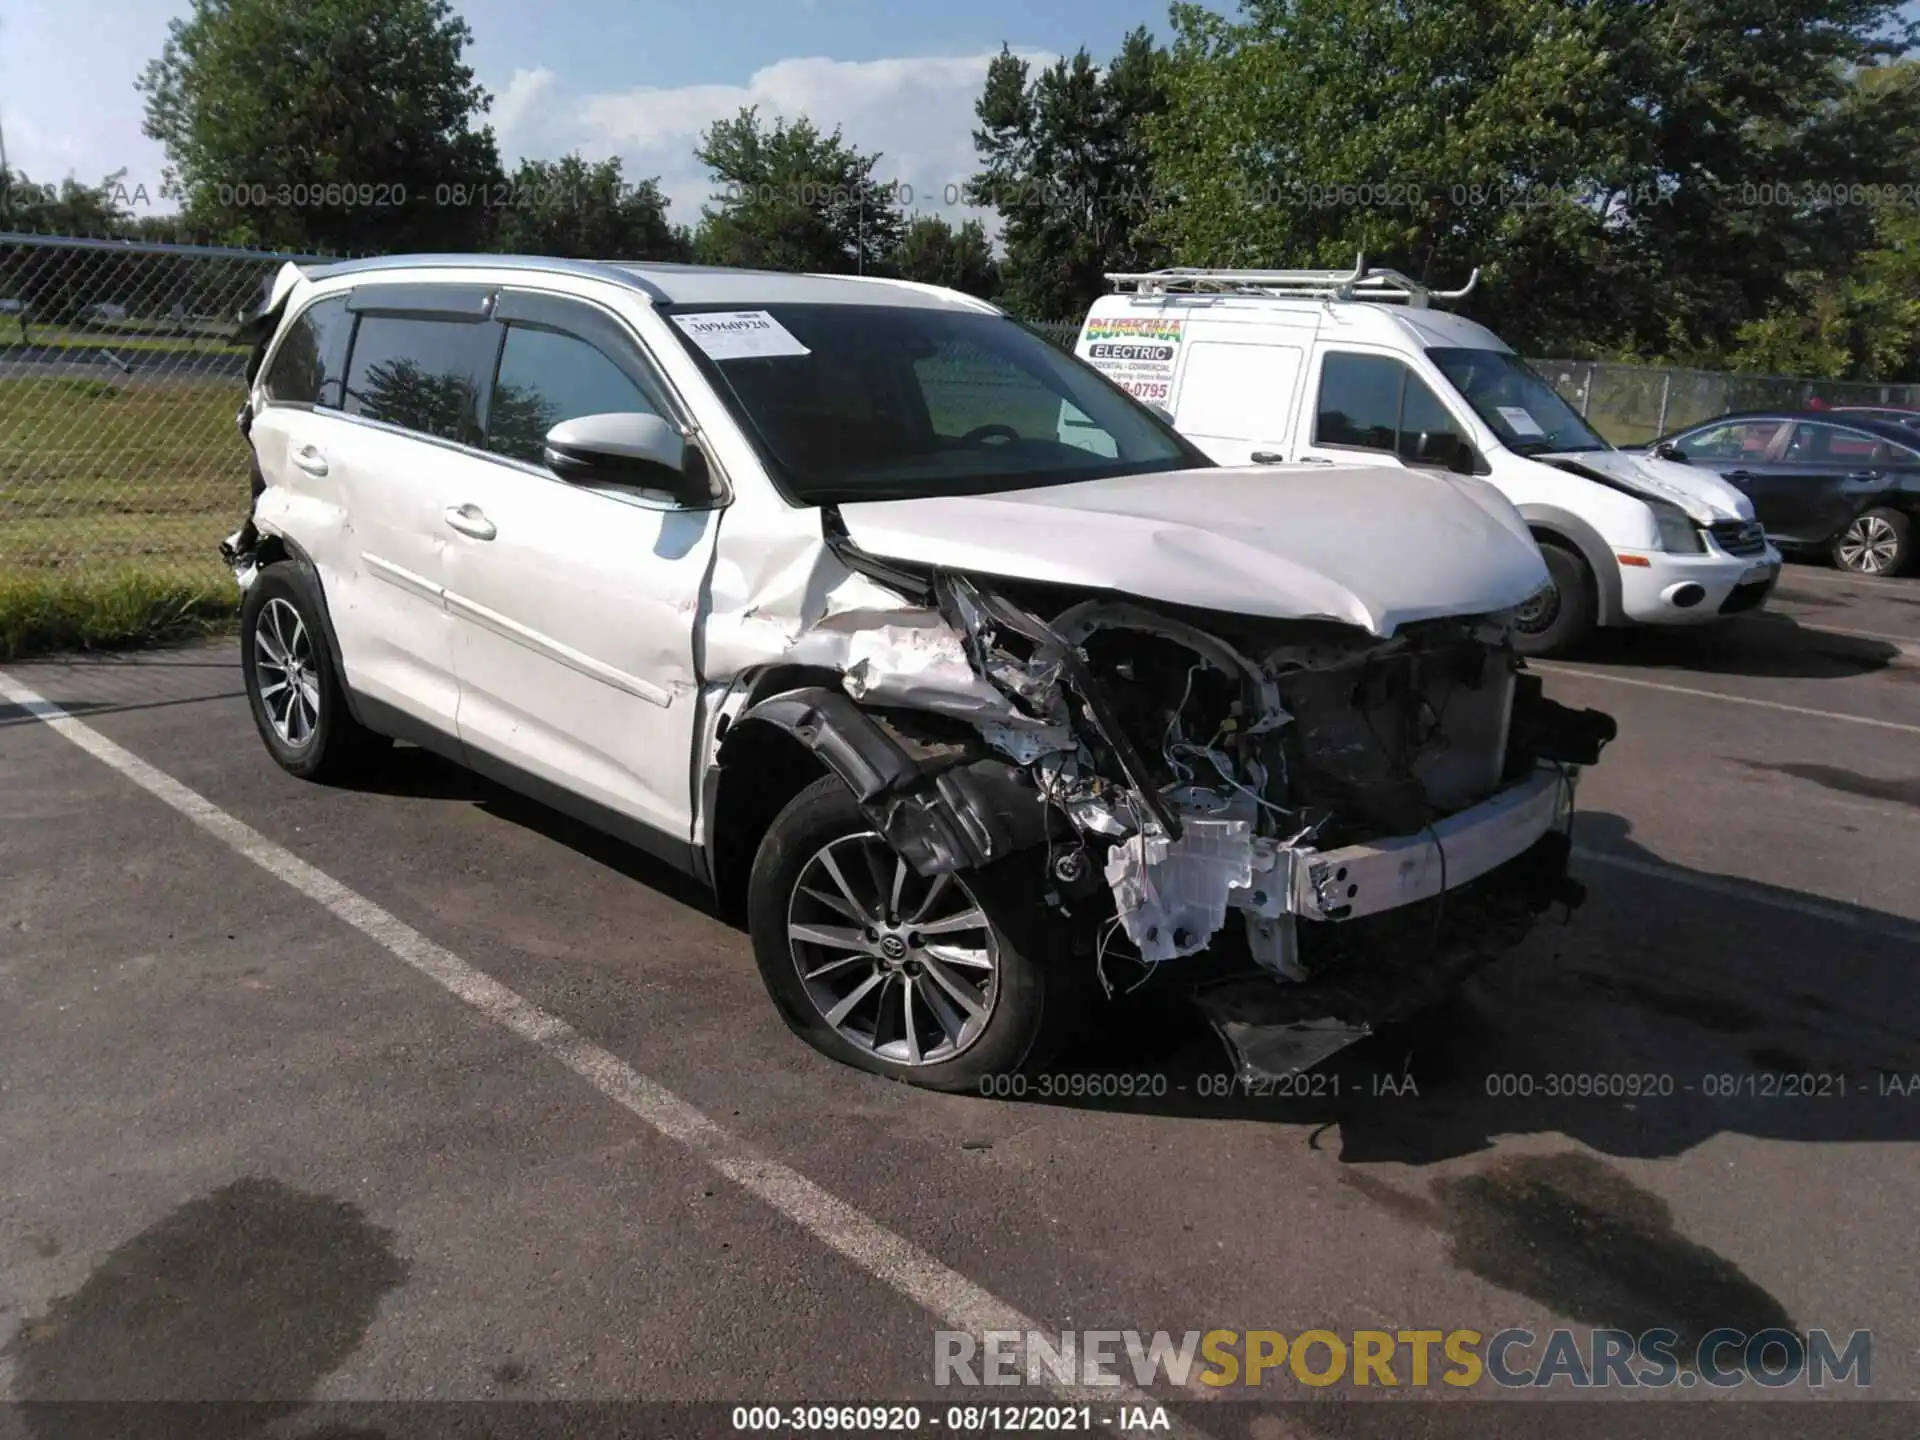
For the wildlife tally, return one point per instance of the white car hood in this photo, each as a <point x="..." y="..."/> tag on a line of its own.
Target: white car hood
<point x="1373" y="547"/>
<point x="1701" y="493"/>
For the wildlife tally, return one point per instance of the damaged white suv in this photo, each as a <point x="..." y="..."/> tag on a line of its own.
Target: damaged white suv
<point x="973" y="684"/>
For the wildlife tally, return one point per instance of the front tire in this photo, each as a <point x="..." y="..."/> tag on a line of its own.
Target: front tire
<point x="1562" y="615"/>
<point x="1875" y="542"/>
<point x="293" y="679"/>
<point x="876" y="966"/>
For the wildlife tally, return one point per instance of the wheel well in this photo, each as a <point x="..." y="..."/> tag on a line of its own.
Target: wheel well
<point x="1560" y="542"/>
<point x="761" y="769"/>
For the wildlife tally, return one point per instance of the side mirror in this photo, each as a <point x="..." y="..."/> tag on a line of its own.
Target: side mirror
<point x="1444" y="448"/>
<point x="1160" y="410"/>
<point x="632" y="449"/>
<point x="1669" y="451"/>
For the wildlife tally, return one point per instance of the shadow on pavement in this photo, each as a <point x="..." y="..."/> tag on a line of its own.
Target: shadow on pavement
<point x="1664" y="1014"/>
<point x="1769" y="646"/>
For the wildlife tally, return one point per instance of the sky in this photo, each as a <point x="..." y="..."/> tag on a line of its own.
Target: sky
<point x="635" y="78"/>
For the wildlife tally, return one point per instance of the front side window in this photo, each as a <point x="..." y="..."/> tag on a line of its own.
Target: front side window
<point x="307" y="366"/>
<point x="1525" y="411"/>
<point x="875" y="402"/>
<point x="1374" y="402"/>
<point x="547" y="376"/>
<point x="1748" y="440"/>
<point x="424" y="374"/>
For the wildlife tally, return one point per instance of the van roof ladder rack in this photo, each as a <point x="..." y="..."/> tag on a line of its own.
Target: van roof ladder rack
<point x="1360" y="283"/>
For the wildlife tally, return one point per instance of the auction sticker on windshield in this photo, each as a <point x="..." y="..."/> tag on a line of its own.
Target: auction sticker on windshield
<point x="1137" y="353"/>
<point x="1521" y="419"/>
<point x="740" y="335"/>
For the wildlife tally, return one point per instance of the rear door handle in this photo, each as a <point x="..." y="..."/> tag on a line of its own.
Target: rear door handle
<point x="1737" y="475"/>
<point x="309" y="459"/>
<point x="471" y="520"/>
<point x="1863" y="476"/>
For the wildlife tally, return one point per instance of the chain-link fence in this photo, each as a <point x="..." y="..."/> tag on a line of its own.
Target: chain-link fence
<point x="1629" y="404"/>
<point x="119" y="383"/>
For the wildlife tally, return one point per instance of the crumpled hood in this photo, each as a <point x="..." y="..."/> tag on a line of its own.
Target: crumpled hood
<point x="1701" y="493"/>
<point x="1373" y="547"/>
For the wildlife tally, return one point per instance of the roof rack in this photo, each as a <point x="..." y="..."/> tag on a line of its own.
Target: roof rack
<point x="1358" y="284"/>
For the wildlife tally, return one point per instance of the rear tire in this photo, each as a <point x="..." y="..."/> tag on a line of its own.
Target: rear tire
<point x="837" y="922"/>
<point x="293" y="680"/>
<point x="1563" y="615"/>
<point x="1875" y="542"/>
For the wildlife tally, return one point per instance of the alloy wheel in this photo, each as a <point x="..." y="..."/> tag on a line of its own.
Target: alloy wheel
<point x="904" y="967"/>
<point x="289" y="679"/>
<point x="1869" y="545"/>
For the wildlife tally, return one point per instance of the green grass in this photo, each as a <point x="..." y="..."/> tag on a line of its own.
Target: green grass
<point x="102" y="610"/>
<point x="113" y="499"/>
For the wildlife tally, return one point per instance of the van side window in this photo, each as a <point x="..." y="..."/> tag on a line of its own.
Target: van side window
<point x="306" y="367"/>
<point x="424" y="374"/>
<point x="1373" y="402"/>
<point x="546" y="377"/>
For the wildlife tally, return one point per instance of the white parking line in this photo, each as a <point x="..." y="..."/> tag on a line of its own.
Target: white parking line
<point x="1552" y="668"/>
<point x="1890" y="926"/>
<point x="956" y="1301"/>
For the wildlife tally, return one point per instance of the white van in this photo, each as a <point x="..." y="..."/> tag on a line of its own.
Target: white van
<point x="1316" y="367"/>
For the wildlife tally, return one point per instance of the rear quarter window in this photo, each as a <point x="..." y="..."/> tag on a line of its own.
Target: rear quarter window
<point x="308" y="367"/>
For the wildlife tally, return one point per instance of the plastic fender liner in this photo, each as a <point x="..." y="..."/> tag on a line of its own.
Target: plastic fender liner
<point x="959" y="818"/>
<point x="1547" y="730"/>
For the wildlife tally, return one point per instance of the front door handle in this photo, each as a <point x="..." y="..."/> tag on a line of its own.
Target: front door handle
<point x="309" y="459"/>
<point x="1736" y="476"/>
<point x="1268" y="457"/>
<point x="1863" y="477"/>
<point x="471" y="520"/>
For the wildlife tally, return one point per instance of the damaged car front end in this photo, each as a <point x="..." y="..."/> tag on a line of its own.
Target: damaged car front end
<point x="1309" y="828"/>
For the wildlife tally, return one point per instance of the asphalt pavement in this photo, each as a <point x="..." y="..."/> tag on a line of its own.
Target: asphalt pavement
<point x="420" y="1092"/>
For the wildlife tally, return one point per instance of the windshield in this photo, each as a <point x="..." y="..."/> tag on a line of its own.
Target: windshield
<point x="1523" y="410"/>
<point x="868" y="402"/>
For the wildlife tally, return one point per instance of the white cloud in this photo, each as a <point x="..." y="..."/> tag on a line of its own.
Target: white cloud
<point x="917" y="111"/>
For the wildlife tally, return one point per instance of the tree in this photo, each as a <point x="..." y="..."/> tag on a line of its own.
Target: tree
<point x="791" y="198"/>
<point x="1066" y="163"/>
<point x="336" y="125"/>
<point x="69" y="208"/>
<point x="583" y="211"/>
<point x="1613" y="168"/>
<point x="934" y="253"/>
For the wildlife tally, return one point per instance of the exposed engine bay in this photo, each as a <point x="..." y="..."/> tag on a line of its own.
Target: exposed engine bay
<point x="1166" y="769"/>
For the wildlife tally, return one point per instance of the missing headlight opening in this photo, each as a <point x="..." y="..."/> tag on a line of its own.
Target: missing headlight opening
<point x="1294" y="803"/>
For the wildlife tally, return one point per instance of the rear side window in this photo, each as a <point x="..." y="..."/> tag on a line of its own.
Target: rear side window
<point x="307" y="366"/>
<point x="546" y="377"/>
<point x="1373" y="402"/>
<point x="1830" y="445"/>
<point x="423" y="374"/>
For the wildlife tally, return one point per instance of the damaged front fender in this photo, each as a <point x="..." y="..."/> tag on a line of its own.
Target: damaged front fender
<point x="961" y="815"/>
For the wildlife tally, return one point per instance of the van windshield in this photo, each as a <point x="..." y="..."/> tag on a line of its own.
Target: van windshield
<point x="1523" y="410"/>
<point x="874" y="402"/>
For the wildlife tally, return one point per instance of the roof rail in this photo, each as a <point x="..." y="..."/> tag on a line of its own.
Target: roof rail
<point x="1360" y="283"/>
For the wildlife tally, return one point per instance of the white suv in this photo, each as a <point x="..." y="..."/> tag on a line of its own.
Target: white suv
<point x="1319" y="367"/>
<point x="964" y="677"/>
